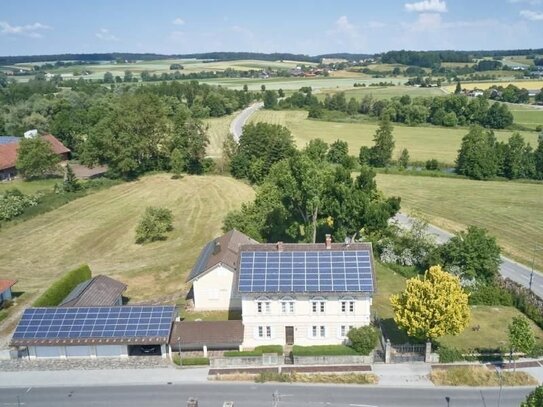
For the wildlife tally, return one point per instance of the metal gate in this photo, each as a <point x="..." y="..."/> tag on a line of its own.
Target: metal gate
<point x="407" y="353"/>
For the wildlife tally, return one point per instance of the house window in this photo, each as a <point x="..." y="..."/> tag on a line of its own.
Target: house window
<point x="264" y="331"/>
<point x="351" y="306"/>
<point x="318" y="305"/>
<point x="287" y="306"/>
<point x="345" y="330"/>
<point x="318" y="331"/>
<point x="347" y="306"/>
<point x="263" y="306"/>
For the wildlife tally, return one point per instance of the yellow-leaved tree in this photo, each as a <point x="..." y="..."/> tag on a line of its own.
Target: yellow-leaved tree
<point x="432" y="306"/>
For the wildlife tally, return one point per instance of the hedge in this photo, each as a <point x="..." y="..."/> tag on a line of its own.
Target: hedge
<point x="194" y="361"/>
<point x="258" y="351"/>
<point x="323" y="350"/>
<point x="60" y="289"/>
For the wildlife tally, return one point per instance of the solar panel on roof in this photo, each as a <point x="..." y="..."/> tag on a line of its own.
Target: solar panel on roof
<point x="318" y="271"/>
<point x="95" y="322"/>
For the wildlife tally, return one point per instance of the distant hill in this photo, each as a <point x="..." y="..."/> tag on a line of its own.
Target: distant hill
<point x="421" y="58"/>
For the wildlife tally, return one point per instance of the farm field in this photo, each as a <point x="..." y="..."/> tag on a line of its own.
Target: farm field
<point x="530" y="117"/>
<point x="218" y="129"/>
<point x="99" y="229"/>
<point x="423" y="143"/>
<point x="385" y="92"/>
<point x="528" y="84"/>
<point x="510" y="211"/>
<point x="491" y="320"/>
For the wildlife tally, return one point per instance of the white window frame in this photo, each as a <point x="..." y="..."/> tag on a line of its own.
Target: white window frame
<point x="263" y="306"/>
<point x="264" y="332"/>
<point x="347" y="305"/>
<point x="314" y="331"/>
<point x="318" y="305"/>
<point x="322" y="331"/>
<point x="287" y="305"/>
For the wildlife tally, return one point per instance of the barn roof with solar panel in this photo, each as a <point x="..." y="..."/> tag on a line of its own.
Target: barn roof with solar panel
<point x="306" y="268"/>
<point x="142" y="324"/>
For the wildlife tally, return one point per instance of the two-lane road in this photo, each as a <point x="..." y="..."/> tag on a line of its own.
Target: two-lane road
<point x="257" y="395"/>
<point x="236" y="126"/>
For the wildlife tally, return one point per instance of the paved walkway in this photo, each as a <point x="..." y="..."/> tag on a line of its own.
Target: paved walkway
<point x="404" y="374"/>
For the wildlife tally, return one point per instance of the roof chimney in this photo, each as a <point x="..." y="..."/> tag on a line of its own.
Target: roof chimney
<point x="279" y="246"/>
<point x="328" y="241"/>
<point x="217" y="248"/>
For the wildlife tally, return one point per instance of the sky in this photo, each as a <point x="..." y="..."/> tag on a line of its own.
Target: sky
<point x="305" y="27"/>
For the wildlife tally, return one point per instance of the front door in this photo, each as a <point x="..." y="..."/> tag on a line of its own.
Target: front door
<point x="289" y="335"/>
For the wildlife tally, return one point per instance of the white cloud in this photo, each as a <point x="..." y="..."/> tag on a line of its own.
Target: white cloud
<point x="376" y="24"/>
<point x="532" y="15"/>
<point x="343" y="26"/>
<point x="105" y="35"/>
<point x="28" y="30"/>
<point x="178" y="21"/>
<point x="425" y="6"/>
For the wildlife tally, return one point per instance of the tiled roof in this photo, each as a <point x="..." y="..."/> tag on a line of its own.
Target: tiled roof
<point x="8" y="152"/>
<point x="223" y="249"/>
<point x="199" y="333"/>
<point x="98" y="291"/>
<point x="5" y="284"/>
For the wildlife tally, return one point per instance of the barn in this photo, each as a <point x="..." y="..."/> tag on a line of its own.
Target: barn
<point x="94" y="332"/>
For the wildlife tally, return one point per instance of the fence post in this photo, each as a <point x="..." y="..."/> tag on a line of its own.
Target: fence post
<point x="428" y="352"/>
<point x="388" y="348"/>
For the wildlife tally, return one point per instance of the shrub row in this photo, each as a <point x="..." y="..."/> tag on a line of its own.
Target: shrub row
<point x="323" y="350"/>
<point x="63" y="286"/>
<point x="258" y="351"/>
<point x="194" y="361"/>
<point x="451" y="355"/>
<point x="525" y="301"/>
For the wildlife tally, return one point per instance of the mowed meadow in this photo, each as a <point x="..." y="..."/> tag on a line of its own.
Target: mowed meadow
<point x="510" y="211"/>
<point x="99" y="230"/>
<point x="424" y="143"/>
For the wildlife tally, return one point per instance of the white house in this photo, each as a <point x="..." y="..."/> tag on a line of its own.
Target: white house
<point x="212" y="276"/>
<point x="304" y="294"/>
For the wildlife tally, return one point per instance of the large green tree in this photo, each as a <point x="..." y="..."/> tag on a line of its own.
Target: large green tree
<point x="473" y="254"/>
<point x="519" y="161"/>
<point x="477" y="156"/>
<point x="381" y="151"/>
<point x="35" y="158"/>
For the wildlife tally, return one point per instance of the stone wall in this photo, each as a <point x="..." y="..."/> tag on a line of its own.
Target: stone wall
<point x="268" y="359"/>
<point x="333" y="360"/>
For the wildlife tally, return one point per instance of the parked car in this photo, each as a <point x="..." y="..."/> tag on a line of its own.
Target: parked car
<point x="148" y="349"/>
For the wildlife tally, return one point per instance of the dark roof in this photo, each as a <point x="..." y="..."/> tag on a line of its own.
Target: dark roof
<point x="5" y="284"/>
<point x="306" y="268"/>
<point x="200" y="333"/>
<point x="137" y="324"/>
<point x="222" y="250"/>
<point x="8" y="152"/>
<point x="98" y="291"/>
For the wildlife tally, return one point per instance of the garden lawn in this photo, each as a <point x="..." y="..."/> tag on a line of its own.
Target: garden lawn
<point x="30" y="187"/>
<point x="423" y="143"/>
<point x="99" y="230"/>
<point x="510" y="211"/>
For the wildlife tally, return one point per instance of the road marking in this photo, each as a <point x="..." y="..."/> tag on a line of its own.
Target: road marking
<point x="28" y="390"/>
<point x="362" y="405"/>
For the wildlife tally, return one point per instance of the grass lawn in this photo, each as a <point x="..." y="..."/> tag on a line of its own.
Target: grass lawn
<point x="99" y="229"/>
<point x="511" y="211"/>
<point x="493" y="321"/>
<point x="385" y="92"/>
<point x="219" y="127"/>
<point x="423" y="143"/>
<point x="30" y="187"/>
<point x="529" y="117"/>
<point x="479" y="376"/>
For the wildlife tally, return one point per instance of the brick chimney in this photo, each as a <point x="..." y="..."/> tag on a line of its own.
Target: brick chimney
<point x="328" y="242"/>
<point x="279" y="246"/>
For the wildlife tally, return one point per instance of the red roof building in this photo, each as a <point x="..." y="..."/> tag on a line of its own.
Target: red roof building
<point x="5" y="289"/>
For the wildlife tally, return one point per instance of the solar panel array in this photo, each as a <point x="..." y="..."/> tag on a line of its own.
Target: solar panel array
<point x="311" y="271"/>
<point x="95" y="322"/>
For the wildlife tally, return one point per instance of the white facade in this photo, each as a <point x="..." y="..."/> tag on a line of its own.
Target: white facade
<point x="306" y="319"/>
<point x="213" y="290"/>
<point x="77" y="351"/>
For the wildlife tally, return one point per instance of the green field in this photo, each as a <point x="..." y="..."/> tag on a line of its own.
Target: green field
<point x="99" y="229"/>
<point x="530" y="117"/>
<point x="491" y="320"/>
<point x="29" y="187"/>
<point x="383" y="92"/>
<point x="423" y="143"/>
<point x="218" y="129"/>
<point x="511" y="211"/>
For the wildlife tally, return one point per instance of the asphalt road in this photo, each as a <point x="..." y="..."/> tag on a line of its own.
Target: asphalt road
<point x="509" y="268"/>
<point x="256" y="395"/>
<point x="236" y="126"/>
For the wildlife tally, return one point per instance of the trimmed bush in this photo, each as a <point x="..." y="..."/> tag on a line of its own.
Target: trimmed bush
<point x="449" y="355"/>
<point x="258" y="351"/>
<point x="194" y="361"/>
<point x="63" y="286"/>
<point x="491" y="294"/>
<point x="363" y="339"/>
<point x="323" y="350"/>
